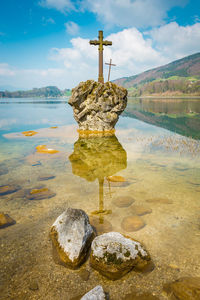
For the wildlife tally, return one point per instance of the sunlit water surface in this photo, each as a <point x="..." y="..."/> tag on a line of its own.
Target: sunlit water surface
<point x="156" y="150"/>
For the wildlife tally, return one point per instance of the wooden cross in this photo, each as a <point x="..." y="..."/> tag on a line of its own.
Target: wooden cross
<point x="110" y="64"/>
<point x="101" y="43"/>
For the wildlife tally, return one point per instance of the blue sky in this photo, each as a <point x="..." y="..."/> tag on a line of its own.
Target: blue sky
<point x="46" y="42"/>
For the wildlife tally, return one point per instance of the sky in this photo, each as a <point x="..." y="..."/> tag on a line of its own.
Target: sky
<point x="46" y="42"/>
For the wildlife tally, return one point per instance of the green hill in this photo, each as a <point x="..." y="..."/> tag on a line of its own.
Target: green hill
<point x="44" y="92"/>
<point x="180" y="77"/>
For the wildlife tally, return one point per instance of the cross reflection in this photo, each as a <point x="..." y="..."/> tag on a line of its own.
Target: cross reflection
<point x="98" y="157"/>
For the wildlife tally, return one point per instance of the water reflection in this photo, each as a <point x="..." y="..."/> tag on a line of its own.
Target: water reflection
<point x="97" y="158"/>
<point x="181" y="116"/>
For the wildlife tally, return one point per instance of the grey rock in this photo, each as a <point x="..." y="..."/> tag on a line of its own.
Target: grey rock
<point x="97" y="106"/>
<point x="72" y="235"/>
<point x="96" y="293"/>
<point x="113" y="255"/>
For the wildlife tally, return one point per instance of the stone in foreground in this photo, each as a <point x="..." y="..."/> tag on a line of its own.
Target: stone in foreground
<point x="96" y="293"/>
<point x="5" y="220"/>
<point x="114" y="255"/>
<point x="72" y="235"/>
<point x="97" y="106"/>
<point x="186" y="288"/>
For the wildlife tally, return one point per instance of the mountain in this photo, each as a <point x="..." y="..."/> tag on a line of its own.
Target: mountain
<point x="180" y="77"/>
<point x="9" y="88"/>
<point x="44" y="92"/>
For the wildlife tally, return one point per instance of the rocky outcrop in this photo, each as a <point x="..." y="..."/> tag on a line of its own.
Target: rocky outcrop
<point x="96" y="293"/>
<point x="72" y="235"/>
<point x="114" y="255"/>
<point x="97" y="106"/>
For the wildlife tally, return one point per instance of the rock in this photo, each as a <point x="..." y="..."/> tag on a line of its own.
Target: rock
<point x="96" y="293"/>
<point x="8" y="189"/>
<point x="114" y="255"/>
<point x="123" y="201"/>
<point x="29" y="133"/>
<point x="39" y="193"/>
<point x="6" y="220"/>
<point x="84" y="274"/>
<point x="116" y="179"/>
<point x="46" y="177"/>
<point x="33" y="286"/>
<point x="160" y="200"/>
<point x="101" y="226"/>
<point x="72" y="235"/>
<point x="54" y="127"/>
<point x="132" y="223"/>
<point x="97" y="106"/>
<point x="44" y="149"/>
<point x="186" y="288"/>
<point x="140" y="210"/>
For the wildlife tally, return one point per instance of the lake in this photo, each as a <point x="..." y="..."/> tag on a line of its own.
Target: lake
<point x="156" y="149"/>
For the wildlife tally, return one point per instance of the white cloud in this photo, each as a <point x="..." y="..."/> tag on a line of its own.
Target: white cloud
<point x="61" y="5"/>
<point x="6" y="70"/>
<point x="72" y="28"/>
<point x="132" y="51"/>
<point x="46" y="21"/>
<point x="176" y="41"/>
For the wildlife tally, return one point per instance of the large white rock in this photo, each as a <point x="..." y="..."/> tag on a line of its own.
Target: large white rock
<point x="96" y="293"/>
<point x="71" y="235"/>
<point x="113" y="255"/>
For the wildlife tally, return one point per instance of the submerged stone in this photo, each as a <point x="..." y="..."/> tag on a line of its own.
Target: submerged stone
<point x="160" y="200"/>
<point x="101" y="225"/>
<point x="3" y="169"/>
<point x="141" y="210"/>
<point x="123" y="201"/>
<point x="72" y="235"/>
<point x="6" y="220"/>
<point x="84" y="274"/>
<point x="132" y="223"/>
<point x="186" y="288"/>
<point x="97" y="106"/>
<point x="39" y="193"/>
<point x="46" y="177"/>
<point x="8" y="189"/>
<point x="44" y="149"/>
<point x="116" y="179"/>
<point x="114" y="255"/>
<point x="96" y="293"/>
<point x="29" y="133"/>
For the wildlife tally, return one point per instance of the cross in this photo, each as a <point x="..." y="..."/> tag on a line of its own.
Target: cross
<point x="110" y="64"/>
<point x="101" y="43"/>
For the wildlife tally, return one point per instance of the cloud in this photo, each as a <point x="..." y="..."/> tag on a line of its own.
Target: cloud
<point x="72" y="28"/>
<point x="46" y="21"/>
<point x="132" y="52"/>
<point x="60" y="5"/>
<point x="6" y="70"/>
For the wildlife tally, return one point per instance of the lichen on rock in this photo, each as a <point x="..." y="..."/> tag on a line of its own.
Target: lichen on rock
<point x="72" y="235"/>
<point x="97" y="106"/>
<point x="114" y="255"/>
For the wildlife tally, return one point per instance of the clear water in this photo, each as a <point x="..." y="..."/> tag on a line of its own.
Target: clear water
<point x="156" y="150"/>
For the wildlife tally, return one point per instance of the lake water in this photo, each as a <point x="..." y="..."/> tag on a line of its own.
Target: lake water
<point x="156" y="150"/>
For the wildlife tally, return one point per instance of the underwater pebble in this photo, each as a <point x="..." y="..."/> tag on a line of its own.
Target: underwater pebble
<point x="116" y="179"/>
<point x="160" y="200"/>
<point x="29" y="133"/>
<point x="46" y="177"/>
<point x="39" y="193"/>
<point x="123" y="201"/>
<point x="186" y="288"/>
<point x="8" y="189"/>
<point x="132" y="223"/>
<point x="6" y="220"/>
<point x="101" y="225"/>
<point x="33" y="286"/>
<point x="96" y="293"/>
<point x="140" y="210"/>
<point x="3" y="169"/>
<point x="84" y="274"/>
<point x="44" y="149"/>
